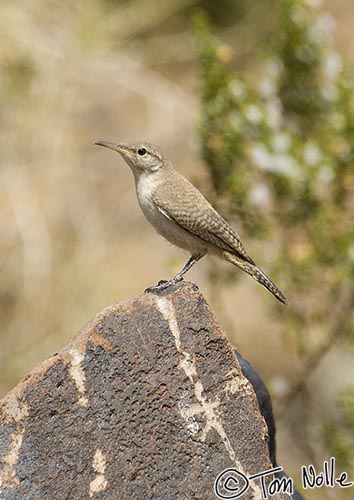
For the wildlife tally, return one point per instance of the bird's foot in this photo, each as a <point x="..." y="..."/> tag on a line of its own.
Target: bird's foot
<point x="163" y="284"/>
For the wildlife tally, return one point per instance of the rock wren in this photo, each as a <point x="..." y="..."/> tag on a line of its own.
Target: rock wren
<point x="181" y="214"/>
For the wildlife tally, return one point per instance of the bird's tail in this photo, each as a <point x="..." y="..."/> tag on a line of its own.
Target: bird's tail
<point x="258" y="275"/>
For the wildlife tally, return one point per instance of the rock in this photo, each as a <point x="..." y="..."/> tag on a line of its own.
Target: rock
<point x="147" y="402"/>
<point x="266" y="409"/>
<point x="264" y="402"/>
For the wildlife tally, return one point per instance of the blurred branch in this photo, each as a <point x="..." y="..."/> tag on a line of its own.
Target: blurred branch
<point x="337" y="332"/>
<point x="148" y="83"/>
<point x="33" y="230"/>
<point x="137" y="16"/>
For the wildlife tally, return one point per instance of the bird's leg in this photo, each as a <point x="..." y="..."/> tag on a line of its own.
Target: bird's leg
<point x="179" y="276"/>
<point x="193" y="260"/>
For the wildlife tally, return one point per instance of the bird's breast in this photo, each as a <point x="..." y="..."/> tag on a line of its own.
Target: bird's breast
<point x="144" y="189"/>
<point x="164" y="225"/>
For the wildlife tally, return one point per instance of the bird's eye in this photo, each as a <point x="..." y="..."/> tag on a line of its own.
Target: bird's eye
<point x="142" y="151"/>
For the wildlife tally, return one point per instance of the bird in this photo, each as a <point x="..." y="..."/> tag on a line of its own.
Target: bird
<point x="182" y="215"/>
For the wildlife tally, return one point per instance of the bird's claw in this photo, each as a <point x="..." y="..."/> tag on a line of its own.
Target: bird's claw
<point x="157" y="288"/>
<point x="163" y="284"/>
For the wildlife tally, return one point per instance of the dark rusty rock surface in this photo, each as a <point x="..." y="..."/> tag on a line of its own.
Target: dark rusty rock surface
<point x="147" y="402"/>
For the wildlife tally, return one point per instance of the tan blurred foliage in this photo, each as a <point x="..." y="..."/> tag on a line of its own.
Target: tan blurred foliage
<point x="72" y="239"/>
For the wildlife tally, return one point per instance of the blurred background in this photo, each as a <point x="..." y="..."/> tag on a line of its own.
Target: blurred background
<point x="254" y="103"/>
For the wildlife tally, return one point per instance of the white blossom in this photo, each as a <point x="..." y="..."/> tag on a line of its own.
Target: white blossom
<point x="326" y="175"/>
<point x="281" y="142"/>
<point x="238" y="90"/>
<point x="273" y="113"/>
<point x="332" y="65"/>
<point x="286" y="165"/>
<point x="326" y="24"/>
<point x="261" y="156"/>
<point x="253" y="113"/>
<point x="298" y="15"/>
<point x="314" y="4"/>
<point x="259" y="195"/>
<point x="329" y="92"/>
<point x="312" y="153"/>
<point x="274" y="67"/>
<point x="268" y="88"/>
<point x="280" y="163"/>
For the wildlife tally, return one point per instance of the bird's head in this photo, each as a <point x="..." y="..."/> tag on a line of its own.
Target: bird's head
<point x="140" y="156"/>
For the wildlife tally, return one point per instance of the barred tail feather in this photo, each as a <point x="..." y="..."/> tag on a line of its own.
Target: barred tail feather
<point x="257" y="274"/>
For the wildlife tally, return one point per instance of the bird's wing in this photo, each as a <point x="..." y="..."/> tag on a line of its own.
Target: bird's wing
<point x="201" y="220"/>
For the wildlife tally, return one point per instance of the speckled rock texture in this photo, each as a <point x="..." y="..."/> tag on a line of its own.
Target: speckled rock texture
<point x="147" y="402"/>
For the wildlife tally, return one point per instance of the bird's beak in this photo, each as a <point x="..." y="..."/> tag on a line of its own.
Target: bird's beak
<point x="112" y="145"/>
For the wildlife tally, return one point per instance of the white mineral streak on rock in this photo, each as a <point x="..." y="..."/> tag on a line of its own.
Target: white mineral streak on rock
<point x="78" y="375"/>
<point x="16" y="413"/>
<point x="203" y="407"/>
<point x="99" y="464"/>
